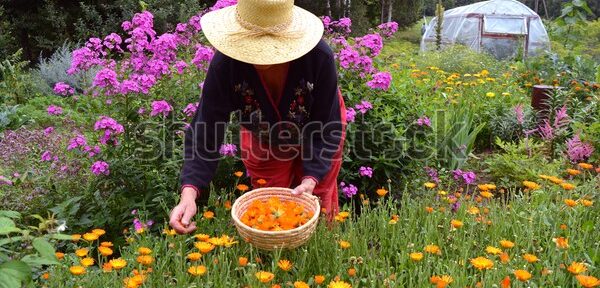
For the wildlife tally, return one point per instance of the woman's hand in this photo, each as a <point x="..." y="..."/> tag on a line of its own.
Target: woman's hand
<point x="307" y="186"/>
<point x="182" y="214"/>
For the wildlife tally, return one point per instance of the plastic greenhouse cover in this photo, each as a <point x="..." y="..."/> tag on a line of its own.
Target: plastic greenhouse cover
<point x="503" y="25"/>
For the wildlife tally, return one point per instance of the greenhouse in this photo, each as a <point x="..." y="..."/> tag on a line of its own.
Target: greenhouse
<point x="503" y="28"/>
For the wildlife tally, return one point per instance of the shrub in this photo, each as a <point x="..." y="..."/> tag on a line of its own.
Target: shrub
<point x="54" y="69"/>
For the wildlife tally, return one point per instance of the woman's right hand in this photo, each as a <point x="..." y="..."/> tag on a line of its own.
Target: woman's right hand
<point x="182" y="214"/>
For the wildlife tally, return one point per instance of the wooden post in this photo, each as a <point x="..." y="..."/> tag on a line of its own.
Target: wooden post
<point x="539" y="99"/>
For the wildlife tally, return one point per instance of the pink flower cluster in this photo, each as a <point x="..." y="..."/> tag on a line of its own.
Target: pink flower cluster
<point x="54" y="110"/>
<point x="577" y="150"/>
<point x="190" y="109"/>
<point x="63" y="89"/>
<point x="222" y="4"/>
<point x="341" y="26"/>
<point x="348" y="190"/>
<point x="363" y="107"/>
<point x="100" y="168"/>
<point x="381" y="80"/>
<point x="228" y="150"/>
<point x="365" y="171"/>
<point x="161" y="107"/>
<point x="111" y="129"/>
<point x="424" y="121"/>
<point x="388" y="29"/>
<point x="202" y="57"/>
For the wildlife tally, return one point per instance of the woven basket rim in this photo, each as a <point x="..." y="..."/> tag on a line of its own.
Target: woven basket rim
<point x="249" y="194"/>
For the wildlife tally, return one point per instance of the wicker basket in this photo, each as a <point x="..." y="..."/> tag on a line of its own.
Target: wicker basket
<point x="273" y="240"/>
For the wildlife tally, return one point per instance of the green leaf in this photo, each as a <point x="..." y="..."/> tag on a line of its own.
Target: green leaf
<point x="10" y="240"/>
<point x="10" y="214"/>
<point x="7" y="226"/>
<point x="578" y="3"/>
<point x="35" y="261"/>
<point x="44" y="248"/>
<point x="61" y="236"/>
<point x="12" y="273"/>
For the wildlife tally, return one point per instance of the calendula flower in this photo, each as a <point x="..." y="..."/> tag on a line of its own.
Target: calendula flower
<point x="77" y="270"/>
<point x="202" y="237"/>
<point x="506" y="244"/>
<point x="456" y="223"/>
<point x="482" y="263"/>
<point x="473" y="210"/>
<point x="570" y="202"/>
<point x="588" y="281"/>
<point x="261" y="182"/>
<point x="338" y="284"/>
<point x="87" y="262"/>
<point x="352" y="272"/>
<point x="238" y="174"/>
<point x="430" y="185"/>
<point x="204" y="247"/>
<point x="573" y="172"/>
<point x="486" y="194"/>
<point x="490" y="94"/>
<point x="106" y="267"/>
<point x="567" y="186"/>
<point x="264" y="276"/>
<point x="441" y="281"/>
<point x="561" y="242"/>
<point x="118" y="263"/>
<point x="586" y="203"/>
<point x="90" y="236"/>
<point x="144" y="251"/>
<point x="416" y="256"/>
<point x="208" y="215"/>
<point x="227" y="205"/>
<point x="81" y="252"/>
<point x="170" y="232"/>
<point x="381" y="192"/>
<point x="531" y="185"/>
<point x="75" y="237"/>
<point x="493" y="250"/>
<point x="242" y="261"/>
<point x="106" y="244"/>
<point x="242" y="187"/>
<point x="504" y="258"/>
<point x="586" y="166"/>
<point x="285" y="265"/>
<point x="194" y="256"/>
<point x="344" y="244"/>
<point x="522" y="275"/>
<point x="433" y="249"/>
<point x="319" y="279"/>
<point x="145" y="259"/>
<point x="577" y="268"/>
<point x="301" y="284"/>
<point x="429" y="209"/>
<point x="46" y="276"/>
<point x="99" y="232"/>
<point x="530" y="258"/>
<point x="59" y="255"/>
<point x="199" y="270"/>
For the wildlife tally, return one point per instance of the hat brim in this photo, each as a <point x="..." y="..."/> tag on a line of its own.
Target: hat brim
<point x="223" y="31"/>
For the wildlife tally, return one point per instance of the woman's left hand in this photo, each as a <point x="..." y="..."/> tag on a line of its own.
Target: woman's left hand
<point x="307" y="186"/>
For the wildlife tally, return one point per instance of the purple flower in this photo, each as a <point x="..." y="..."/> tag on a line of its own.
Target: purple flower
<point x="348" y="190"/>
<point x="373" y="43"/>
<point x="5" y="181"/>
<point x="203" y="56"/>
<point x="366" y="171"/>
<point x="112" y="42"/>
<point x="100" y="168"/>
<point x="381" y="81"/>
<point x="546" y="130"/>
<point x="129" y="86"/>
<point x="433" y="174"/>
<point x="48" y="130"/>
<point x="92" y="151"/>
<point x="388" y="29"/>
<point x="519" y="114"/>
<point x="190" y="109"/>
<point x="106" y="78"/>
<point x="348" y="57"/>
<point x="364" y="106"/>
<point x="164" y="47"/>
<point x="54" y="110"/>
<point x="561" y="118"/>
<point x="149" y="223"/>
<point x="137" y="224"/>
<point x="63" y="89"/>
<point x="161" y="107"/>
<point x="577" y="150"/>
<point x="78" y="141"/>
<point x="228" y="150"/>
<point x="222" y="4"/>
<point x="350" y="115"/>
<point x="141" y="111"/>
<point x="145" y="81"/>
<point x="468" y="177"/>
<point x="134" y="211"/>
<point x="180" y="66"/>
<point x="83" y="59"/>
<point x="46" y="156"/>
<point x="424" y="121"/>
<point x="111" y="128"/>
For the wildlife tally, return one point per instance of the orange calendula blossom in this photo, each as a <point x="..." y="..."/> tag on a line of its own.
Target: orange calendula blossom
<point x="507" y="244"/>
<point x="275" y="214"/>
<point x="456" y="223"/>
<point x="585" y="166"/>
<point x="145" y="260"/>
<point x="242" y="187"/>
<point x="576" y="268"/>
<point x="238" y="174"/>
<point x="90" y="237"/>
<point x="118" y="263"/>
<point x="573" y="172"/>
<point x="441" y="281"/>
<point x="285" y="265"/>
<point x="531" y="185"/>
<point x="208" y="214"/>
<point x="77" y="270"/>
<point x="202" y="237"/>
<point x="319" y="279"/>
<point x="198" y="270"/>
<point x="430" y="185"/>
<point x="381" y="192"/>
<point x="588" y="281"/>
<point x="486" y="194"/>
<point x="567" y="186"/>
<point x="522" y="275"/>
<point x="493" y="250"/>
<point x="339" y="284"/>
<point x="482" y="263"/>
<point x="87" y="262"/>
<point x="105" y="251"/>
<point x="416" y="256"/>
<point x="264" y="276"/>
<point x="570" y="202"/>
<point x="344" y="244"/>
<point x="81" y="252"/>
<point x="261" y="182"/>
<point x="194" y="256"/>
<point x="586" y="202"/>
<point x="144" y="251"/>
<point x="204" y="247"/>
<point x="433" y="249"/>
<point x="561" y="242"/>
<point x="242" y="261"/>
<point x="530" y="258"/>
<point x="59" y="255"/>
<point x="504" y="257"/>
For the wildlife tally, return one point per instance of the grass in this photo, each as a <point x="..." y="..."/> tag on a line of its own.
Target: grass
<point x="380" y="248"/>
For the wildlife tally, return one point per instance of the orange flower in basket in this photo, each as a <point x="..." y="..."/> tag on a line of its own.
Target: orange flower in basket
<point x="275" y="215"/>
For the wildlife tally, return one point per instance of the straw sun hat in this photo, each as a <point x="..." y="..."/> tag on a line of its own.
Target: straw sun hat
<point x="262" y="32"/>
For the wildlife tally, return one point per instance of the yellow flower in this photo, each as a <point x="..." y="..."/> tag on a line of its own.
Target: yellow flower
<point x="264" y="276"/>
<point x="570" y="202"/>
<point x="319" y="279"/>
<point x="118" y="263"/>
<point x="199" y="270"/>
<point x="473" y="210"/>
<point x="441" y="281"/>
<point x="144" y="251"/>
<point x="77" y="270"/>
<point x="531" y="185"/>
<point x="99" y="232"/>
<point x="338" y="284"/>
<point x="300" y="284"/>
<point x="194" y="256"/>
<point x="505" y="94"/>
<point x="145" y="259"/>
<point x="344" y="244"/>
<point x="416" y="256"/>
<point x="81" y="252"/>
<point x="87" y="262"/>
<point x="555" y="180"/>
<point x="493" y="250"/>
<point x="577" y="268"/>
<point x="567" y="186"/>
<point x="490" y="94"/>
<point x="507" y="244"/>
<point x="204" y="247"/>
<point x="224" y="240"/>
<point x="442" y="193"/>
<point x="106" y="244"/>
<point x="90" y="236"/>
<point x="170" y="232"/>
<point x="522" y="275"/>
<point x="482" y="263"/>
<point x="456" y="223"/>
<point x="208" y="215"/>
<point x="202" y="237"/>
<point x="530" y="258"/>
<point x="238" y="174"/>
<point x="430" y="185"/>
<point x="573" y="172"/>
<point x="433" y="249"/>
<point x="75" y="237"/>
<point x="486" y="194"/>
<point x="585" y="166"/>
<point x="588" y="281"/>
<point x="381" y="192"/>
<point x="586" y="203"/>
<point x="285" y="265"/>
<point x="561" y="242"/>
